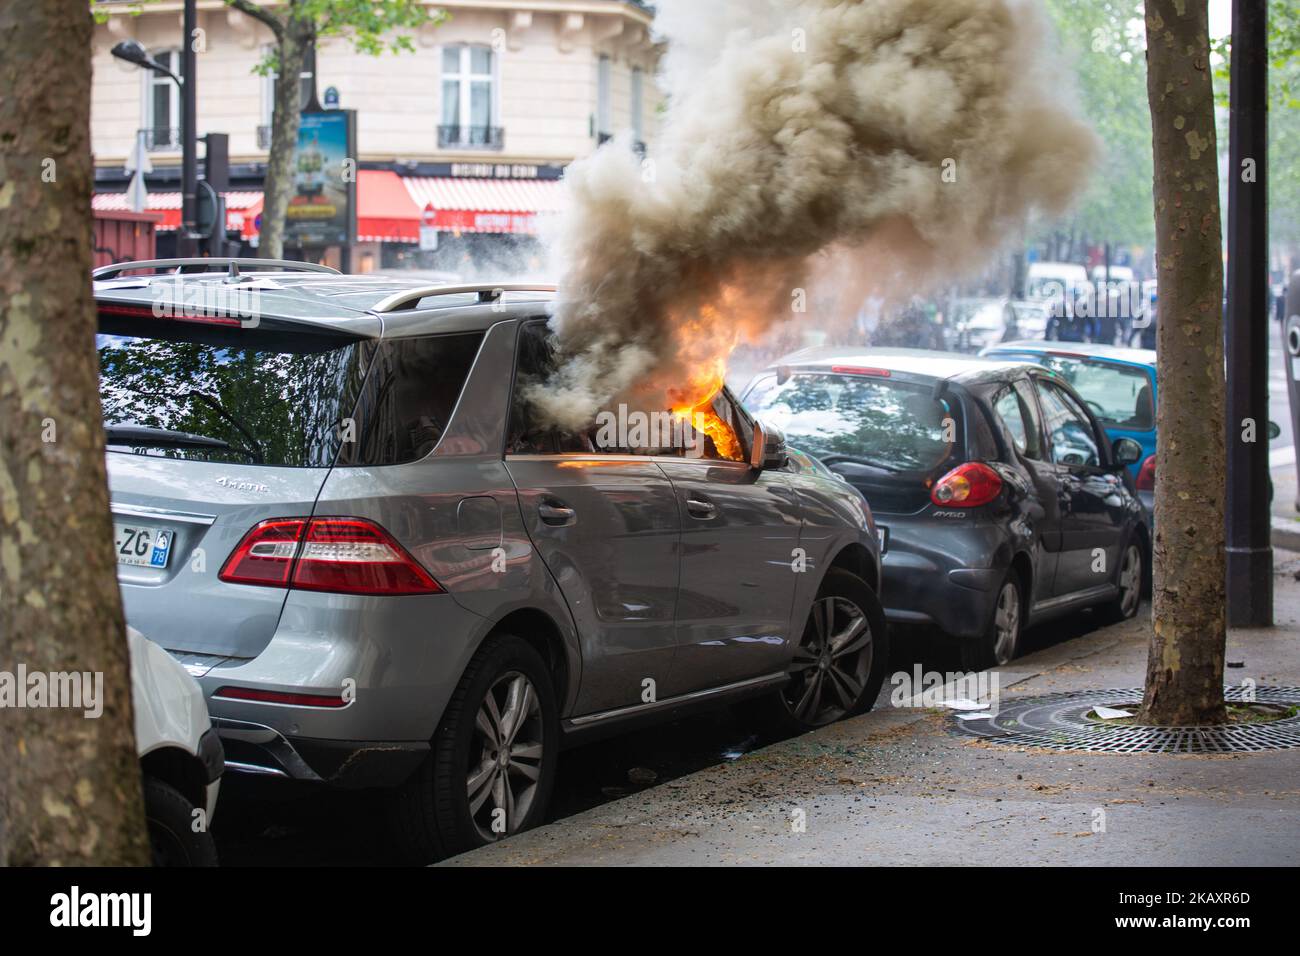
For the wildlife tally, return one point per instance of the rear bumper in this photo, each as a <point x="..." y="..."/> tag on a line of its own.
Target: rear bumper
<point x="256" y="749"/>
<point x="392" y="662"/>
<point x="943" y="577"/>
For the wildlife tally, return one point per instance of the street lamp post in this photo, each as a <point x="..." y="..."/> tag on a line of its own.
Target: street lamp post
<point x="132" y="52"/>
<point x="1249" y="554"/>
<point x="188" y="241"/>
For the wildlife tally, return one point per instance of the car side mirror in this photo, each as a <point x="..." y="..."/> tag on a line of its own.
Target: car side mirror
<point x="768" y="448"/>
<point x="1274" y="431"/>
<point x="1127" y="452"/>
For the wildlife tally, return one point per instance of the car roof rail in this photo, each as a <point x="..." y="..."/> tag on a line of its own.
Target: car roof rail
<point x="213" y="263"/>
<point x="408" y="298"/>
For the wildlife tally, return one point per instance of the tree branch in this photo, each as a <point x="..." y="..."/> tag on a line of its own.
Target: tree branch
<point x="259" y="13"/>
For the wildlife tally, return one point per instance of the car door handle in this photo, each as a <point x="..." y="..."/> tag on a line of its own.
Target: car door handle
<point x="557" y="515"/>
<point x="701" y="508"/>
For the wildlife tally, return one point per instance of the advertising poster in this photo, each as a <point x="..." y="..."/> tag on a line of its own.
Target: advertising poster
<point x="322" y="209"/>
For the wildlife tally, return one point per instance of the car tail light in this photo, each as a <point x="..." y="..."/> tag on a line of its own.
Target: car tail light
<point x="266" y="554"/>
<point x="357" y="557"/>
<point x="342" y="555"/>
<point x="279" y="697"/>
<point x="1146" y="480"/>
<point x="966" y="486"/>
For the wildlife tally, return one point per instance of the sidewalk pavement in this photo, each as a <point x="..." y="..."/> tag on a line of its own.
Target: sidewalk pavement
<point x="897" y="787"/>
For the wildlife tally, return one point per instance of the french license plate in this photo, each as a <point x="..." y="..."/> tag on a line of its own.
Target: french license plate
<point x="882" y="535"/>
<point x="142" y="547"/>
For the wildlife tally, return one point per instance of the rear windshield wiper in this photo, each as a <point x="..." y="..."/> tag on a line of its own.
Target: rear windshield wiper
<point x="160" y="437"/>
<point x="149" y="437"/>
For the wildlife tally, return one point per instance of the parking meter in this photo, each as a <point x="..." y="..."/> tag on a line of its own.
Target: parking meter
<point x="1291" y="347"/>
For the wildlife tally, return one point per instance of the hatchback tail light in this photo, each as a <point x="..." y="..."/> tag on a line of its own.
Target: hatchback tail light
<point x="1146" y="479"/>
<point x="341" y="555"/>
<point x="967" y="486"/>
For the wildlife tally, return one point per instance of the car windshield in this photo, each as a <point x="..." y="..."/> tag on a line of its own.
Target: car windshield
<point x="1117" y="394"/>
<point x="236" y="396"/>
<point x="870" y="419"/>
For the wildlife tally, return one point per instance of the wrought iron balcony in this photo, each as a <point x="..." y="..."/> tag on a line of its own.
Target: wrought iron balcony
<point x="161" y="138"/>
<point x="471" y="137"/>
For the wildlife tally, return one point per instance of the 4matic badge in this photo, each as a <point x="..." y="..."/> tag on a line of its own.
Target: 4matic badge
<point x="234" y="484"/>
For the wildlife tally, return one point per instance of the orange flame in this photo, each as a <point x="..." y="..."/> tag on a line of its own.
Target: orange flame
<point x="692" y="402"/>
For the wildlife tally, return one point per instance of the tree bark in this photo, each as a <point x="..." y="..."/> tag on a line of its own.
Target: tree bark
<point x="1184" y="682"/>
<point x="293" y="43"/>
<point x="70" y="789"/>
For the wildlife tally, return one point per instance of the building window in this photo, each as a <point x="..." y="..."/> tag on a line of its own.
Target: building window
<point x="163" y="104"/>
<point x="638" y="106"/>
<point x="268" y="100"/>
<point x="469" y="112"/>
<point x="604" y="121"/>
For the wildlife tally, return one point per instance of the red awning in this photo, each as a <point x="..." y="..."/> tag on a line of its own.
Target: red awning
<point x="486" y="205"/>
<point x="385" y="211"/>
<point x="242" y="209"/>
<point x="391" y="207"/>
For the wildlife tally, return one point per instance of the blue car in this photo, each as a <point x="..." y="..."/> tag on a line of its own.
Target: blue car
<point x="1119" y="386"/>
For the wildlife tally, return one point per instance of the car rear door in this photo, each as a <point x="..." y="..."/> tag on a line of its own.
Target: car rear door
<point x="740" y="531"/>
<point x="608" y="528"/>
<point x="1094" y="502"/>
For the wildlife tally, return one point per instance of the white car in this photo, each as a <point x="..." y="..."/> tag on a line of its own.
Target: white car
<point x="180" y="756"/>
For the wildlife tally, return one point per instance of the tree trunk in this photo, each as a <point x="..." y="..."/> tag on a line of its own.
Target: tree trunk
<point x="1184" y="683"/>
<point x="69" y="784"/>
<point x="277" y="188"/>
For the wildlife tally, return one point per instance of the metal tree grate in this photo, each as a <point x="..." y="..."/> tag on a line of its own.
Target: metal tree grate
<point x="1060" y="722"/>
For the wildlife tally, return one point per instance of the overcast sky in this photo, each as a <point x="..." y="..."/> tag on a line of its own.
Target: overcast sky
<point x="1220" y="17"/>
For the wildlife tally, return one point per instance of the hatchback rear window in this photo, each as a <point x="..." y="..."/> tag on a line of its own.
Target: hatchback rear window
<point x="878" y="421"/>
<point x="227" y="395"/>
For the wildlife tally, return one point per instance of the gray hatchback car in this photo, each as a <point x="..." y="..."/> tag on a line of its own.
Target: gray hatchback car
<point x="334" y="506"/>
<point x="1002" y="502"/>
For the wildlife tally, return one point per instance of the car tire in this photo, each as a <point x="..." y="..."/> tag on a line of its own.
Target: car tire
<point x="829" y="683"/>
<point x="169" y="819"/>
<point x="453" y="801"/>
<point x="999" y="643"/>
<point x="1130" y="578"/>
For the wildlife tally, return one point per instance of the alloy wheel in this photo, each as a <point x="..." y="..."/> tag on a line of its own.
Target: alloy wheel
<point x="832" y="664"/>
<point x="505" y="756"/>
<point x="1006" y="623"/>
<point x="1130" y="581"/>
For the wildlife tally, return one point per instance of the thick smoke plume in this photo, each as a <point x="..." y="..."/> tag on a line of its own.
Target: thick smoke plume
<point x="906" y="137"/>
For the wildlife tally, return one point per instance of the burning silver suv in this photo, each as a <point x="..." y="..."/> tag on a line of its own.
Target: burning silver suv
<point x="334" y="506"/>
